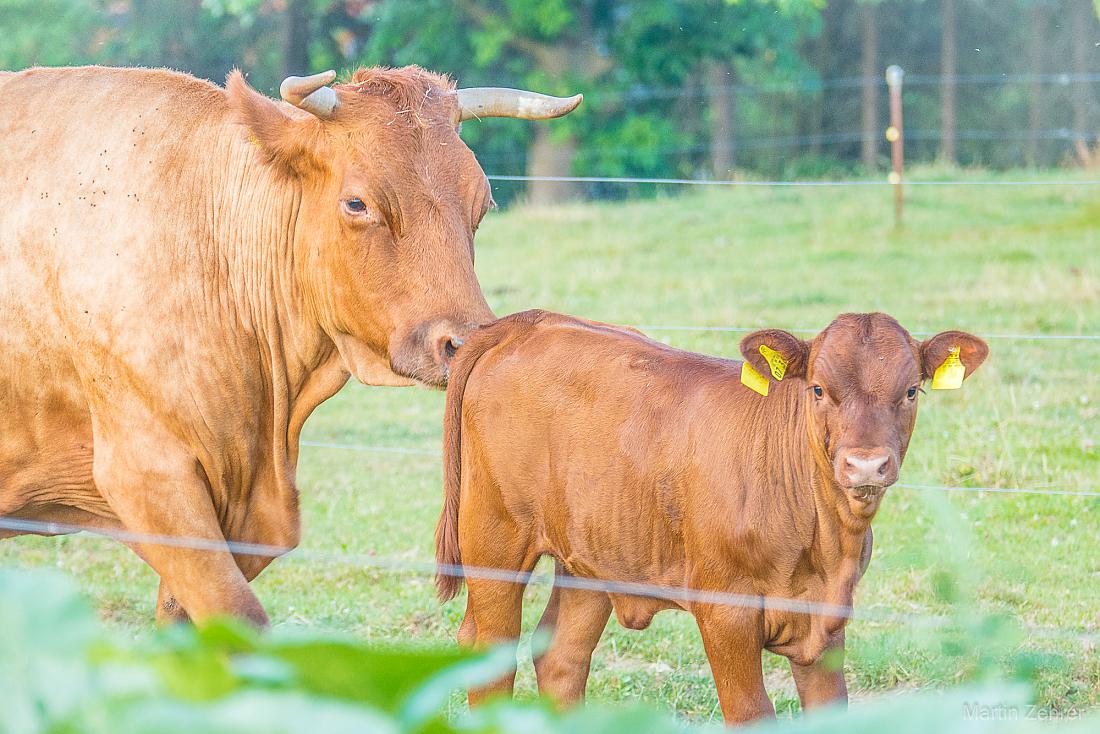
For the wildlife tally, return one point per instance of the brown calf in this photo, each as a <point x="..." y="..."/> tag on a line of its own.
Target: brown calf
<point x="628" y="460"/>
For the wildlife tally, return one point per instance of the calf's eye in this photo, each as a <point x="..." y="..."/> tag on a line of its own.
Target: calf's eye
<point x="912" y="393"/>
<point x="818" y="392"/>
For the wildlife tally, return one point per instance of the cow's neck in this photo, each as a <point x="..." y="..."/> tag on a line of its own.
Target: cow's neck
<point x="824" y="564"/>
<point x="254" y="215"/>
<point x="836" y="534"/>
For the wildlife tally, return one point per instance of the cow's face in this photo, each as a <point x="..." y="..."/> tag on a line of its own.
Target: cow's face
<point x="863" y="377"/>
<point x="390" y="198"/>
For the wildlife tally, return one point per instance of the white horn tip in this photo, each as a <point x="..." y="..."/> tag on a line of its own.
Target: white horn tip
<point x="290" y="85"/>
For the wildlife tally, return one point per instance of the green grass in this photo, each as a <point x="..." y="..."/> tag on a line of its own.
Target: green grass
<point x="988" y="259"/>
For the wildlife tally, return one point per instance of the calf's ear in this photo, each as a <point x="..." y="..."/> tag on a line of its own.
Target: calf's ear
<point x="761" y="347"/>
<point x="293" y="141"/>
<point x="936" y="349"/>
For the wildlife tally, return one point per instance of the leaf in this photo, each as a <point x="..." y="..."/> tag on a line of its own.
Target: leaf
<point x="253" y="712"/>
<point x="429" y="699"/>
<point x="351" y="671"/>
<point x="45" y="629"/>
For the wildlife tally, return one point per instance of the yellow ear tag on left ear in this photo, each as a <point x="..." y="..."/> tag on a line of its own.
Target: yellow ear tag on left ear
<point x="950" y="374"/>
<point x="775" y="360"/>
<point x="753" y="380"/>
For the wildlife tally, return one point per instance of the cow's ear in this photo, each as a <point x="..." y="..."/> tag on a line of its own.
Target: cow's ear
<point x="293" y="140"/>
<point x="935" y="350"/>
<point x="761" y="348"/>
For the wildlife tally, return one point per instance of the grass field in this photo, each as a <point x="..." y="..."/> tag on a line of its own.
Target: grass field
<point x="994" y="260"/>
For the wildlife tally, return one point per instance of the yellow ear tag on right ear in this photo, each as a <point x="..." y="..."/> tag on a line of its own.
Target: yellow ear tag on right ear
<point x="950" y="374"/>
<point x="753" y="380"/>
<point x="776" y="361"/>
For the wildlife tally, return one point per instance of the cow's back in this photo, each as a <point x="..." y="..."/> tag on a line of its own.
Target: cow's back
<point x="91" y="195"/>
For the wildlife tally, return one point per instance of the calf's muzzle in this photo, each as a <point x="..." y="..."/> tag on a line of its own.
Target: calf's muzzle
<point x="866" y="468"/>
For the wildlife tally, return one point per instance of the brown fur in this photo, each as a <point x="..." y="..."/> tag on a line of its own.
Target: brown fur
<point x="410" y="88"/>
<point x="628" y="460"/>
<point x="447" y="551"/>
<point x="181" y="284"/>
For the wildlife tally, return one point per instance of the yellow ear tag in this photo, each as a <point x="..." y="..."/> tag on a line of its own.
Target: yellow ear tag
<point x="775" y="360"/>
<point x="753" y="380"/>
<point x="254" y="140"/>
<point x="950" y="374"/>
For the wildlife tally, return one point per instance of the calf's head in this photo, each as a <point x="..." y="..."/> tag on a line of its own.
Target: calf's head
<point x="862" y="378"/>
<point x="386" y="199"/>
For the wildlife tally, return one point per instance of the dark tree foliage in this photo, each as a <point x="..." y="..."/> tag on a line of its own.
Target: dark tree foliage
<point x="673" y="88"/>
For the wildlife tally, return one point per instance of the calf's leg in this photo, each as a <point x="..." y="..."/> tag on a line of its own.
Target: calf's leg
<point x="733" y="640"/>
<point x="493" y="608"/>
<point x="822" y="682"/>
<point x="562" y="671"/>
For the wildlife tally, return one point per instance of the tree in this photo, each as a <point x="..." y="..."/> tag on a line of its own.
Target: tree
<point x="720" y="80"/>
<point x="1083" y="28"/>
<point x="1037" y="17"/>
<point x="949" y="54"/>
<point x="48" y="33"/>
<point x="872" y="76"/>
<point x="642" y="65"/>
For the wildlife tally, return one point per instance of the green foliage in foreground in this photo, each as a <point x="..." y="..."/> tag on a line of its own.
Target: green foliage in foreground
<point x="60" y="672"/>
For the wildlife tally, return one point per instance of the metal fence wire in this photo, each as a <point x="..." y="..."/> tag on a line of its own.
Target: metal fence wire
<point x="677" y="594"/>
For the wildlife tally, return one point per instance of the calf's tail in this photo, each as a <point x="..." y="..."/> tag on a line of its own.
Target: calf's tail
<point x="448" y="556"/>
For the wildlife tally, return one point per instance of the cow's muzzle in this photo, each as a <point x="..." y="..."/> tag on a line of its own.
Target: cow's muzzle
<point x="426" y="354"/>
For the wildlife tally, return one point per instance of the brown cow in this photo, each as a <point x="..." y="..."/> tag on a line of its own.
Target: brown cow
<point x="187" y="271"/>
<point x="628" y="460"/>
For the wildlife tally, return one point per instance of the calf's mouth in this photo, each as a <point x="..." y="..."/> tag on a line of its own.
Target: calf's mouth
<point x="867" y="492"/>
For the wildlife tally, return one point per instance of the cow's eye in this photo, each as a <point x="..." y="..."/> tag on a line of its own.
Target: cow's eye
<point x="355" y="206"/>
<point x="818" y="391"/>
<point x="912" y="393"/>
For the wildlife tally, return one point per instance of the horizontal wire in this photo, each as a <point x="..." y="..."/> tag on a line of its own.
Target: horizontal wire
<point x="676" y="594"/>
<point x="379" y="449"/>
<point x="809" y="183"/>
<point x="644" y="92"/>
<point x="757" y="143"/>
<point x="805" y="330"/>
<point x="1005" y="490"/>
<point x="901" y="485"/>
<point x="631" y="588"/>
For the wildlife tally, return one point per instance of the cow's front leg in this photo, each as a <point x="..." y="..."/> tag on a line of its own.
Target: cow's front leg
<point x="822" y="682"/>
<point x="733" y="640"/>
<point x="156" y="487"/>
<point x="169" y="610"/>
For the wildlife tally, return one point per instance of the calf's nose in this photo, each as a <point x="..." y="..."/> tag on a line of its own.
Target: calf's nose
<point x="867" y="470"/>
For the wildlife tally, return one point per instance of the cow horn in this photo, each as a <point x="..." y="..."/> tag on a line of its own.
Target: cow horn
<point x="478" y="102"/>
<point x="311" y="93"/>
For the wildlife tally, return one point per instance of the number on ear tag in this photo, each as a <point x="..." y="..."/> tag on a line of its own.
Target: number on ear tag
<point x="950" y="374"/>
<point x="775" y="360"/>
<point x="753" y="380"/>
